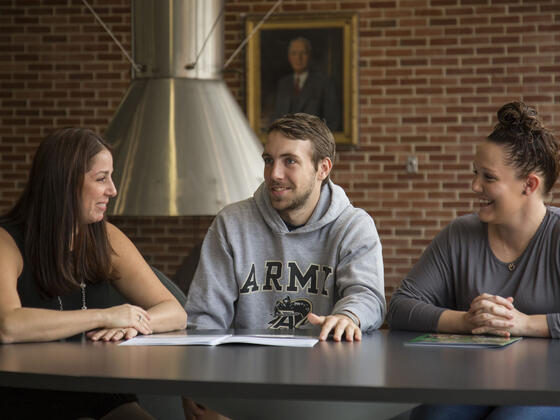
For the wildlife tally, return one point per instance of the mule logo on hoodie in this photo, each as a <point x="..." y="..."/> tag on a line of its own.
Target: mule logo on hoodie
<point x="290" y="313"/>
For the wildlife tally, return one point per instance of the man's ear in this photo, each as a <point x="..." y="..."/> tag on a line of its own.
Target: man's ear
<point x="324" y="168"/>
<point x="532" y="183"/>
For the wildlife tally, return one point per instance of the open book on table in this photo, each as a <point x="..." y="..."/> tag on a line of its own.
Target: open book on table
<point x="461" y="340"/>
<point x="288" y="340"/>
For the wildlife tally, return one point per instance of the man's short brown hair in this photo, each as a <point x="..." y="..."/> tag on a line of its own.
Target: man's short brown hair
<point x="303" y="126"/>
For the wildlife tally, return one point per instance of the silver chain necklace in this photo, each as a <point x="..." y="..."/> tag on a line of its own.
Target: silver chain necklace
<point x="83" y="287"/>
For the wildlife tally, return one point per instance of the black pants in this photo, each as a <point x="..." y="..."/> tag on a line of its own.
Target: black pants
<point x="22" y="404"/>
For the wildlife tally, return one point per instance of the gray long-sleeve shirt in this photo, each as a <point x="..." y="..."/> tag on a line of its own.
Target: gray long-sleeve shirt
<point x="256" y="273"/>
<point x="459" y="265"/>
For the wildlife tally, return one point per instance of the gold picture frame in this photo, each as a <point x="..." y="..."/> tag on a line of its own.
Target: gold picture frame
<point x="333" y="60"/>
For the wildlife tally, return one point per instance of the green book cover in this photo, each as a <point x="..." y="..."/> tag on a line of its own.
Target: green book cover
<point x="461" y="340"/>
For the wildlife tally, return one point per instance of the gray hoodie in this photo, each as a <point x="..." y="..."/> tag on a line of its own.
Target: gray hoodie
<point x="255" y="273"/>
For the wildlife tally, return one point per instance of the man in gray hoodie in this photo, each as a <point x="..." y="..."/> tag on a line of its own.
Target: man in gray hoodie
<point x="297" y="253"/>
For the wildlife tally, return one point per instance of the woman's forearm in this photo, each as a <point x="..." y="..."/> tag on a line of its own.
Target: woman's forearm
<point x="451" y="321"/>
<point x="33" y="324"/>
<point x="168" y="315"/>
<point x="533" y="326"/>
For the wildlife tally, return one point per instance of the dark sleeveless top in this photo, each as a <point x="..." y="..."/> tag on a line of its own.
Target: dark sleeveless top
<point x="100" y="295"/>
<point x="16" y="403"/>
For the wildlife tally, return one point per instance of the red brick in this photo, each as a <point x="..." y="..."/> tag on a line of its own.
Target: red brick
<point x="431" y="78"/>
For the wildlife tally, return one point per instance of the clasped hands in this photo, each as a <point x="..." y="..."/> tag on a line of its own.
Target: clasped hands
<point x="492" y="314"/>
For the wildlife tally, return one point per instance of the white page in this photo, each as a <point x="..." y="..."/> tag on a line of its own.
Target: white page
<point x="272" y="340"/>
<point x="212" y="340"/>
<point x="175" y="340"/>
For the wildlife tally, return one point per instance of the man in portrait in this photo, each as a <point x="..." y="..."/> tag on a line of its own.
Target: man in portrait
<point x="306" y="90"/>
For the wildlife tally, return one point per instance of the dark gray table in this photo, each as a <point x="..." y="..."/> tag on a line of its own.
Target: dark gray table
<point x="380" y="368"/>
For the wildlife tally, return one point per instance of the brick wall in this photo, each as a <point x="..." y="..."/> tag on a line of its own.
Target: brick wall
<point x="431" y="73"/>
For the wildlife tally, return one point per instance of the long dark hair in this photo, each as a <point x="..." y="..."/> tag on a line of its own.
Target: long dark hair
<point x="60" y="252"/>
<point x="530" y="146"/>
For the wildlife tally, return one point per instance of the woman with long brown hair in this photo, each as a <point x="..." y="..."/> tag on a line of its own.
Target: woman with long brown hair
<point x="60" y="260"/>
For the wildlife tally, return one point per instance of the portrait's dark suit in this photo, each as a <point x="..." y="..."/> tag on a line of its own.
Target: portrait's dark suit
<point x="316" y="97"/>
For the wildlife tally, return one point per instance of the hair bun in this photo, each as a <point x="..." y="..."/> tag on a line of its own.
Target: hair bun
<point x="517" y="115"/>
<point x="529" y="145"/>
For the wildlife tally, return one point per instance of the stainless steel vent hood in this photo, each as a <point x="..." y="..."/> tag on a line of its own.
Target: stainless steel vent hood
<point x="182" y="145"/>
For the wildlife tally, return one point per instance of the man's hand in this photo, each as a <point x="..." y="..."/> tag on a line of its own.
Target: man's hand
<point x="193" y="410"/>
<point x="196" y="411"/>
<point x="341" y="325"/>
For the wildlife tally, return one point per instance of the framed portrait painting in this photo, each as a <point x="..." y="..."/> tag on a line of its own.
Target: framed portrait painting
<point x="304" y="63"/>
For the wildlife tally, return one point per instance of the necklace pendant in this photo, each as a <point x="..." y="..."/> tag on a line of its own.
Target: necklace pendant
<point x="83" y="287"/>
<point x="511" y="266"/>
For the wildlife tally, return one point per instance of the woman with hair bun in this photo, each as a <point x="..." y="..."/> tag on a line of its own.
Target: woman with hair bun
<point x="495" y="271"/>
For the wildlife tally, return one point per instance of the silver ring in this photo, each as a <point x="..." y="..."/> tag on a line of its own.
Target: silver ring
<point x="139" y="317"/>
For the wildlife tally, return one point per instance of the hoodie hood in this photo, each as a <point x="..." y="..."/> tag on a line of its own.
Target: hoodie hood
<point x="332" y="202"/>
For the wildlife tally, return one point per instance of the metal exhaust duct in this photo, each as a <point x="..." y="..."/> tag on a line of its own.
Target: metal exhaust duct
<point x="182" y="145"/>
